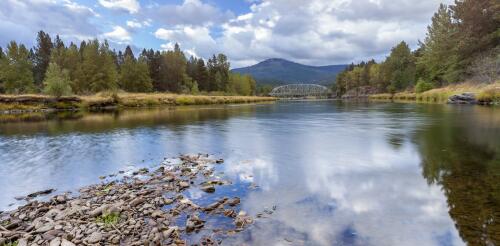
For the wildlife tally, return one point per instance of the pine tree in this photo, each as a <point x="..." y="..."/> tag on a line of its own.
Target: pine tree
<point x="129" y="53"/>
<point x="202" y="75"/>
<point x="134" y="76"/>
<point x="401" y="67"/>
<point x="478" y="30"/>
<point x="42" y="57"/>
<point x="438" y="59"/>
<point x="57" y="81"/>
<point x="17" y="71"/>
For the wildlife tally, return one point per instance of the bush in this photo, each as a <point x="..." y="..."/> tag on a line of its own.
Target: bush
<point x="423" y="86"/>
<point x="57" y="82"/>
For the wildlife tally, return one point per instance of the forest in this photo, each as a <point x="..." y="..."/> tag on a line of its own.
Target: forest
<point x="57" y="69"/>
<point x="462" y="44"/>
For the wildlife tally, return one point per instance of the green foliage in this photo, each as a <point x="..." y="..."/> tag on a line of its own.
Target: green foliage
<point x="134" y="76"/>
<point x="16" y="70"/>
<point x="41" y="59"/>
<point x="423" y="86"/>
<point x="57" y="81"/>
<point x="109" y="219"/>
<point x="241" y="84"/>
<point x="401" y="67"/>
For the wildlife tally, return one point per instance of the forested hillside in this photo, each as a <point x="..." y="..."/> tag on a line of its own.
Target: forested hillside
<point x="462" y="44"/>
<point x="58" y="69"/>
<point x="279" y="71"/>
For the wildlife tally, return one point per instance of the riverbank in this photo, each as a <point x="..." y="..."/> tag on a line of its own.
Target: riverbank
<point x="145" y="207"/>
<point x="40" y="103"/>
<point x="486" y="94"/>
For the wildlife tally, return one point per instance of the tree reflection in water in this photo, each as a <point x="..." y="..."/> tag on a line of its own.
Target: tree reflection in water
<point x="463" y="156"/>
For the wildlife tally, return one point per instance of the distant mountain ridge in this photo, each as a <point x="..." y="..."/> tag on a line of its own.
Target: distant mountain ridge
<point x="281" y="71"/>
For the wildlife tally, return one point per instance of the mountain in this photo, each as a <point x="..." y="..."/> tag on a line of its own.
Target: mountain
<point x="280" y="71"/>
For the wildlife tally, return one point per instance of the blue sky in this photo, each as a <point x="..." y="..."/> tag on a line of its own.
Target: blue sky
<point x="314" y="32"/>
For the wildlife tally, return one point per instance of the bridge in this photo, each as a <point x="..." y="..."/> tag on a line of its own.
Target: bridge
<point x="300" y="90"/>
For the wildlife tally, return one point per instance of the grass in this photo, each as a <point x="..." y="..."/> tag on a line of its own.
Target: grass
<point x="11" y="243"/>
<point x="125" y="100"/>
<point x="485" y="93"/>
<point x="109" y="220"/>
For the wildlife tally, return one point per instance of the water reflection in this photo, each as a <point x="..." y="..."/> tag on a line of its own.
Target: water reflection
<point x="338" y="173"/>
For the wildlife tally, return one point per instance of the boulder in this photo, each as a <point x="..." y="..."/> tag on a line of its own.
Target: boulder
<point x="464" y="98"/>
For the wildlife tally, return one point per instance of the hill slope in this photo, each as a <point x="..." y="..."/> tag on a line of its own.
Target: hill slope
<point x="280" y="71"/>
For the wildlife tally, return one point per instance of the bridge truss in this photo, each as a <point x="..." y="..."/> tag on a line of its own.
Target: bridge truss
<point x="300" y="90"/>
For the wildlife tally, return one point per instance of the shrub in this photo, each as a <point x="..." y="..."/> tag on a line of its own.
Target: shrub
<point x="423" y="86"/>
<point x="57" y="82"/>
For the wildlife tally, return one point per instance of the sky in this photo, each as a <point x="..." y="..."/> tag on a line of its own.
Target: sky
<point x="313" y="32"/>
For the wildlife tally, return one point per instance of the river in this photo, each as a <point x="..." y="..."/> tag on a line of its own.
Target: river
<point x="337" y="173"/>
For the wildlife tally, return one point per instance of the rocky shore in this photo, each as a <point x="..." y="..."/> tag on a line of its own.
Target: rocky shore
<point x="147" y="207"/>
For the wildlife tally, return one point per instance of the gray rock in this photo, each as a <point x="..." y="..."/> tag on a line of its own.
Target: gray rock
<point x="65" y="242"/>
<point x="208" y="188"/>
<point x="464" y="98"/>
<point x="55" y="242"/>
<point x="95" y="237"/>
<point x="22" y="242"/>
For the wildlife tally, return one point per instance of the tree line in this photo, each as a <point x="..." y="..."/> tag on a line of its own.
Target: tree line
<point x="462" y="43"/>
<point x="54" y="68"/>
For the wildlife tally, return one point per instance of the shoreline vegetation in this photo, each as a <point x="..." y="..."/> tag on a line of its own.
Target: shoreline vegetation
<point x="486" y="94"/>
<point x="41" y="103"/>
<point x="142" y="207"/>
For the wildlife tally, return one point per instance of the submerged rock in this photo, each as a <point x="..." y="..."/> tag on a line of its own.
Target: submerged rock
<point x="130" y="211"/>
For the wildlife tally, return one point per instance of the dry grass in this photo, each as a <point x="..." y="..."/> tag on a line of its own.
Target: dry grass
<point x="131" y="100"/>
<point x="489" y="93"/>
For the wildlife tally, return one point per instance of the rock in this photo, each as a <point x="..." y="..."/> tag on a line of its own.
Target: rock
<point x="183" y="184"/>
<point x="40" y="193"/>
<point x="22" y="242"/>
<point x="55" y="242"/>
<point x="464" y="98"/>
<point x="65" y="242"/>
<point x="208" y="188"/>
<point x="98" y="211"/>
<point x="137" y="201"/>
<point x="45" y="228"/>
<point x="95" y="237"/>
<point x="233" y="202"/>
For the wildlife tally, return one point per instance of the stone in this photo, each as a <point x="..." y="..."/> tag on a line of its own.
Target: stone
<point x="95" y="237"/>
<point x="208" y="188"/>
<point x="184" y="184"/>
<point x="65" y="242"/>
<point x="55" y="242"/>
<point x="22" y="242"/>
<point x="464" y="98"/>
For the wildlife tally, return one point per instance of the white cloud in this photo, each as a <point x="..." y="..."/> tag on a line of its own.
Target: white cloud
<point x="20" y="20"/>
<point x="195" y="40"/>
<point x="134" y="24"/>
<point x="119" y="35"/>
<point x="132" y="6"/>
<point x="324" y="32"/>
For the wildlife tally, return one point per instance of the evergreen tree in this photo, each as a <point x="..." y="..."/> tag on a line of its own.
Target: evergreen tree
<point x="134" y="76"/>
<point x="42" y="57"/>
<point x="57" y="81"/>
<point x="201" y="75"/>
<point x="173" y="70"/>
<point x="17" y="70"/>
<point x="478" y="30"/>
<point x="438" y="59"/>
<point x="401" y="67"/>
<point x="129" y="53"/>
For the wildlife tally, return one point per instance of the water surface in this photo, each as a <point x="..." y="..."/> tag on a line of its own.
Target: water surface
<point x="338" y="173"/>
